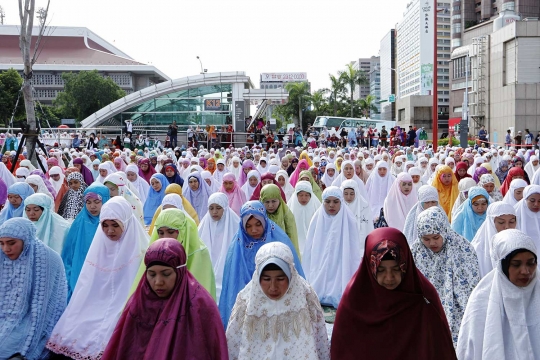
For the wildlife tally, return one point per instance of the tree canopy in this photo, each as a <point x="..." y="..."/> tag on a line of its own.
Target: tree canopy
<point x="85" y="93"/>
<point x="10" y="84"/>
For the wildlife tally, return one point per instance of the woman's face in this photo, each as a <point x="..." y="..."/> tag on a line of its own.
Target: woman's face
<point x="169" y="172"/>
<point x="15" y="200"/>
<point x="266" y="182"/>
<point x="339" y="161"/>
<point x="274" y="283"/>
<point x="462" y="172"/>
<point x="415" y="178"/>
<point x="103" y="172"/>
<point x="398" y="164"/>
<point x="144" y="167"/>
<point x="156" y="184"/>
<point x="331" y="172"/>
<point x="348" y="195"/>
<point x="389" y="274"/>
<point x="216" y="212"/>
<point x="74" y="184"/>
<point x="518" y="164"/>
<point x="446" y="179"/>
<point x="117" y="165"/>
<point x="426" y="205"/>
<point x="236" y="164"/>
<point x="33" y="212"/>
<point x="35" y="187"/>
<point x="55" y="177"/>
<point x="247" y="170"/>
<point x="480" y="205"/>
<point x="522" y="269"/>
<point x="533" y="202"/>
<point x="161" y="279"/>
<point x="332" y="205"/>
<point x="254" y="228"/>
<point x="131" y="176"/>
<point x="111" y="229"/>
<point x="433" y="166"/>
<point x="280" y="180"/>
<point x="303" y="197"/>
<point x="433" y="242"/>
<point x="382" y="171"/>
<point x="451" y="165"/>
<point x="94" y="206"/>
<point x="271" y="205"/>
<point x="193" y="183"/>
<point x="518" y="193"/>
<point x="304" y="178"/>
<point x="78" y="166"/>
<point x="294" y="165"/>
<point x="165" y="232"/>
<point x="253" y="181"/>
<point x="405" y="187"/>
<point x="504" y="168"/>
<point x="504" y="222"/>
<point x="201" y="163"/>
<point x="370" y="166"/>
<point x="358" y="169"/>
<point x="228" y="185"/>
<point x="95" y="166"/>
<point x="348" y="171"/>
<point x="11" y="247"/>
<point x="113" y="189"/>
<point x="284" y="164"/>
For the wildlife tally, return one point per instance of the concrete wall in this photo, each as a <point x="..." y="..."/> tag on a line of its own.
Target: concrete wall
<point x="415" y="110"/>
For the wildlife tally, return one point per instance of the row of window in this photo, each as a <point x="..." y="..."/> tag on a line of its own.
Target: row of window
<point x="460" y="68"/>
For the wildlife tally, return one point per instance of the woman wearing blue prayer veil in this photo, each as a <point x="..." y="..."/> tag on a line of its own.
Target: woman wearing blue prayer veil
<point x="32" y="290"/>
<point x="82" y="231"/>
<point x="472" y="213"/>
<point x="256" y="229"/>
<point x="156" y="193"/>
<point x="17" y="193"/>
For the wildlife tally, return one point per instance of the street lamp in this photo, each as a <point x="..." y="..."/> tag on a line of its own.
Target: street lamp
<point x="202" y="70"/>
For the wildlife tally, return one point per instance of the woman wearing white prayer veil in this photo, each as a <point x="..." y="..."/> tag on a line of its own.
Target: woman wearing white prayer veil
<point x="221" y="170"/>
<point x="428" y="196"/>
<point x="531" y="168"/>
<point x="400" y="199"/>
<point x="303" y="204"/>
<point x="217" y="229"/>
<point x="416" y="175"/>
<point x="329" y="174"/>
<point x="104" y="171"/>
<point x="235" y="167"/>
<point x="501" y="320"/>
<point x="253" y="179"/>
<point x="528" y="213"/>
<point x="432" y="165"/>
<point x="101" y="292"/>
<point x="209" y="179"/>
<point x="331" y="254"/>
<point x="464" y="186"/>
<point x="515" y="193"/>
<point x="378" y="185"/>
<point x="348" y="173"/>
<point x="140" y="185"/>
<point x="479" y="160"/>
<point x="359" y="207"/>
<point x="283" y="180"/>
<point x="500" y="216"/>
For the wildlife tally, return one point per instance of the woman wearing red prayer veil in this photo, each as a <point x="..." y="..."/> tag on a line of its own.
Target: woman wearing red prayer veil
<point x="389" y="310"/>
<point x="170" y="315"/>
<point x="266" y="179"/>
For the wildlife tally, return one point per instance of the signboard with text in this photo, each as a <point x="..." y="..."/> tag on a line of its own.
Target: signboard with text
<point x="212" y="104"/>
<point x="239" y="120"/>
<point x="283" y="77"/>
<point x="427" y="18"/>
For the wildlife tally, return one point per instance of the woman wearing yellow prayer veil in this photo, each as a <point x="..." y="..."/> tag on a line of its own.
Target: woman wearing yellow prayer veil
<point x="175" y="189"/>
<point x="173" y="223"/>
<point x="304" y="156"/>
<point x="447" y="186"/>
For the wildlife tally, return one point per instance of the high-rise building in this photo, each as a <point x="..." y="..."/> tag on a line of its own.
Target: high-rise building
<point x="415" y="52"/>
<point x="375" y="86"/>
<point x="387" y="69"/>
<point x="469" y="13"/>
<point x="364" y="64"/>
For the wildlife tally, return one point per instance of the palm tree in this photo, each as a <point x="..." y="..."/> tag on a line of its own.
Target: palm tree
<point x="367" y="105"/>
<point x="318" y="100"/>
<point x="353" y="77"/>
<point x="337" y="87"/>
<point x="299" y="98"/>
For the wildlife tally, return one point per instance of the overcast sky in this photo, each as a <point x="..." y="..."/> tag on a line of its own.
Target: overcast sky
<point x="314" y="36"/>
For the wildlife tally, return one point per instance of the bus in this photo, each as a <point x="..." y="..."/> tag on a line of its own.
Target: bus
<point x="350" y="123"/>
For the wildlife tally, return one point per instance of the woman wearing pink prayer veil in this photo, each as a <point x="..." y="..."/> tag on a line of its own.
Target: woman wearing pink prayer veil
<point x="247" y="166"/>
<point x="234" y="193"/>
<point x="119" y="164"/>
<point x="302" y="165"/>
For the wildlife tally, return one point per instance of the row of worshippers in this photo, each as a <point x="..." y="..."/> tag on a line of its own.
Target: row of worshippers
<point x="275" y="313"/>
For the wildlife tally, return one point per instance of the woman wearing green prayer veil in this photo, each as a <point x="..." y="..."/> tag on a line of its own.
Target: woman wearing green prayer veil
<point x="306" y="176"/>
<point x="173" y="223"/>
<point x="279" y="212"/>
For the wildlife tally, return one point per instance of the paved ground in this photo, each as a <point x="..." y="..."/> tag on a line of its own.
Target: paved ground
<point x="329" y="317"/>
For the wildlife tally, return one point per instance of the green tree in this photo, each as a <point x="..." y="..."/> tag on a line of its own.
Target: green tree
<point x="299" y="99"/>
<point x="352" y="77"/>
<point x="337" y="88"/>
<point x="10" y="84"/>
<point x="46" y="113"/>
<point x="318" y="101"/>
<point x="367" y="105"/>
<point x="85" y="93"/>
